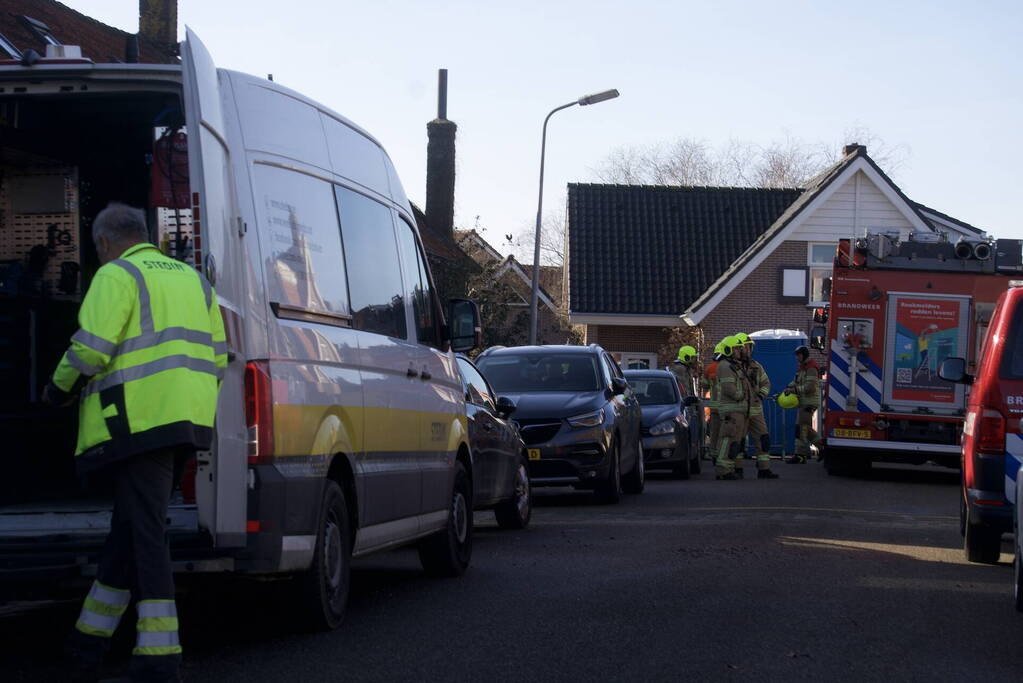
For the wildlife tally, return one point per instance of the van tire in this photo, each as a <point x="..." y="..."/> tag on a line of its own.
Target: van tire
<point x="982" y="544"/>
<point x="635" y="481"/>
<point x="447" y="552"/>
<point x="322" y="592"/>
<point x="609" y="490"/>
<point x="515" y="512"/>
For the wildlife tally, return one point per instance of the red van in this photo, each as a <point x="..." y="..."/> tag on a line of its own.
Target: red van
<point x="992" y="447"/>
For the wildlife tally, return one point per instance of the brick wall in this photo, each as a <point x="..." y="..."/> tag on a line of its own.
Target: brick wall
<point x="754" y="305"/>
<point x="634" y="338"/>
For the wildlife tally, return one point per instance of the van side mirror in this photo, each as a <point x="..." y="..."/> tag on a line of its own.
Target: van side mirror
<point x="954" y="370"/>
<point x="464" y="325"/>
<point x="618" y="385"/>
<point x="505" y="406"/>
<point x="817" y="335"/>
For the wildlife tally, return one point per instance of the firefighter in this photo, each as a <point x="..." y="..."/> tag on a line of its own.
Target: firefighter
<point x="709" y="385"/>
<point x="733" y="393"/>
<point x="806" y="386"/>
<point x="146" y="366"/>
<point x="760" y="388"/>
<point x="683" y="368"/>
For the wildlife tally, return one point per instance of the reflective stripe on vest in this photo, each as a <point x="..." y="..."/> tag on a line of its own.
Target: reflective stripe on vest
<point x="94" y="342"/>
<point x="157" y="628"/>
<point x="102" y="610"/>
<point x="135" y="372"/>
<point x="145" y="307"/>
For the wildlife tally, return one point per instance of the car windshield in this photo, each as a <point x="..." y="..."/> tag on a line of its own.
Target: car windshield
<point x="541" y="372"/>
<point x="654" y="391"/>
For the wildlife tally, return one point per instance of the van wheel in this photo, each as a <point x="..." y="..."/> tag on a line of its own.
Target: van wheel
<point x="981" y="544"/>
<point x="447" y="552"/>
<point x="322" y="591"/>
<point x="515" y="513"/>
<point x="609" y="491"/>
<point x="635" y="481"/>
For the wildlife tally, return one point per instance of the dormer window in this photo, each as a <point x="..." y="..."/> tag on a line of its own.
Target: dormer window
<point x="8" y="48"/>
<point x="39" y="30"/>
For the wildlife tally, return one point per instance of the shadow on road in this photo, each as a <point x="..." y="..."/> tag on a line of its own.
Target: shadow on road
<point x="911" y="474"/>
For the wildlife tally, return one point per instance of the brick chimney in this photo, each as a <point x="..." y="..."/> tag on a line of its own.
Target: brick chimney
<point x="440" y="164"/>
<point x="158" y="23"/>
<point x="853" y="149"/>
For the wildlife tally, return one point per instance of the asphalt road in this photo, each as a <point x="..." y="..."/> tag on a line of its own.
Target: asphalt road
<point x="805" y="578"/>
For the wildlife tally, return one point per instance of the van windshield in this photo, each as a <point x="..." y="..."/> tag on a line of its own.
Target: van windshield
<point x="541" y="372"/>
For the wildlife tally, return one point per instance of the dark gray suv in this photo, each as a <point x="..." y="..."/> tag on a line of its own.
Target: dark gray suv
<point x="577" y="414"/>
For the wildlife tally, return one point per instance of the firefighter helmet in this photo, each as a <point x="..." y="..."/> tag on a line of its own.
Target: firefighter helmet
<point x="803" y="352"/>
<point x="787" y="400"/>
<point x="727" y="344"/>
<point x="686" y="354"/>
<point x="744" y="339"/>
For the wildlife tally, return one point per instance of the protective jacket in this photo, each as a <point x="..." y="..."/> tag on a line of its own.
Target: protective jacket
<point x="760" y="386"/>
<point x="709" y="383"/>
<point x="806" y="385"/>
<point x="152" y="348"/>
<point x="684" y="378"/>
<point x="733" y="392"/>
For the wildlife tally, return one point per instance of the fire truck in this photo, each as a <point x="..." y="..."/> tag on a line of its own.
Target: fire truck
<point x="897" y="308"/>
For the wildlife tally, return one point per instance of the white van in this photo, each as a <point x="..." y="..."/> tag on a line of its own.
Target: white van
<point x="341" y="425"/>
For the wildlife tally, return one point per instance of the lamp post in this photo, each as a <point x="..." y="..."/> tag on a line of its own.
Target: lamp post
<point x="582" y="102"/>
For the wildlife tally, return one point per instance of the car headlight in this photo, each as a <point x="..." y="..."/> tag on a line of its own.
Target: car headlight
<point x="666" y="427"/>
<point x="587" y="420"/>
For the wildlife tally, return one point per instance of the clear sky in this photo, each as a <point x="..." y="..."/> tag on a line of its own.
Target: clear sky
<point x="942" y="77"/>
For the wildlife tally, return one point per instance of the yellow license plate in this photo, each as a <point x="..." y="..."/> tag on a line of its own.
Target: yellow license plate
<point x="853" y="433"/>
<point x="534" y="453"/>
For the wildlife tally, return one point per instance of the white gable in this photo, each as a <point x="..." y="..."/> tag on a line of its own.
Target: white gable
<point x="854" y="208"/>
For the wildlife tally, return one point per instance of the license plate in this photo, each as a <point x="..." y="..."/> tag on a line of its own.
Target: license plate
<point x="853" y="433"/>
<point x="534" y="453"/>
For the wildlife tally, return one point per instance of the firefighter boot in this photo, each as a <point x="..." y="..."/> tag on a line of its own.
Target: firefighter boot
<point x="796" y="459"/>
<point x="727" y="476"/>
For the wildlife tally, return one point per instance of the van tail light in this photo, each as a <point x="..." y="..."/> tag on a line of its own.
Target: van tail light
<point x="259" y="411"/>
<point x="991" y="431"/>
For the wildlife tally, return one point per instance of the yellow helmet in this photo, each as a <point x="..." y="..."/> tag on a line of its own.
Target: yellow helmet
<point x="787" y="400"/>
<point x="744" y="339"/>
<point x="686" y="354"/>
<point x="719" y="349"/>
<point x="727" y="344"/>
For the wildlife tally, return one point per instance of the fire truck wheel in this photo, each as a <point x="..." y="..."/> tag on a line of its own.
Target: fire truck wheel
<point x="982" y="544"/>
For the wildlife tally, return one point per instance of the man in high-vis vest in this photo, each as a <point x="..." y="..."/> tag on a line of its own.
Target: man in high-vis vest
<point x="146" y="365"/>
<point x="760" y="388"/>
<point x="709" y="384"/>
<point x="733" y="406"/>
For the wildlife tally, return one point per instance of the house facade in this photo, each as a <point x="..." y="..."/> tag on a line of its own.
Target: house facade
<point x="643" y="259"/>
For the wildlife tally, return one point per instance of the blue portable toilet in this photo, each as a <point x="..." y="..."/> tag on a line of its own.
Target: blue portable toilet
<point x="774" y="349"/>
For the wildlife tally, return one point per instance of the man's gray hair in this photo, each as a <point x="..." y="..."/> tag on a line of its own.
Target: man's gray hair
<point x="120" y="223"/>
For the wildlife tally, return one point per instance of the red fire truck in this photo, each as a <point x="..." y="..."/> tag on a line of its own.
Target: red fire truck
<point x="898" y="307"/>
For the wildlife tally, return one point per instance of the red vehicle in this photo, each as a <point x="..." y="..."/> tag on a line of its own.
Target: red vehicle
<point x="992" y="443"/>
<point x="898" y="308"/>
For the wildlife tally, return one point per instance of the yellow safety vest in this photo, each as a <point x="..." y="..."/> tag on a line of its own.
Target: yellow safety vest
<point x="151" y="344"/>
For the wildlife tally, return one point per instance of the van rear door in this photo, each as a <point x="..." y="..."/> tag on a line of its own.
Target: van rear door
<point x="221" y="475"/>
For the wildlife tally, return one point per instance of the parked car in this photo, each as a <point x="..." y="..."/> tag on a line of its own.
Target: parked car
<point x="500" y="477"/>
<point x="578" y="416"/>
<point x="992" y="445"/>
<point x="341" y="423"/>
<point x="665" y="426"/>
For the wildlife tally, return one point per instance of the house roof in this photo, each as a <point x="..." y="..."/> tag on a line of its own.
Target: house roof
<point x="99" y="42"/>
<point x="436" y="245"/>
<point x="856" y="157"/>
<point x="929" y="212"/>
<point x="642" y="249"/>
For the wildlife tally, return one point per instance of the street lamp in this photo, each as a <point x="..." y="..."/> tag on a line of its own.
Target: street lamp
<point x="582" y="102"/>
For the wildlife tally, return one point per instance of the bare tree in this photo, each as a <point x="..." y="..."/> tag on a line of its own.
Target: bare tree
<point x="788" y="162"/>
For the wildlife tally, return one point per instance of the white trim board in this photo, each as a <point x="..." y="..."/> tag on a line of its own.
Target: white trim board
<point x="511" y="264"/>
<point x="695" y="317"/>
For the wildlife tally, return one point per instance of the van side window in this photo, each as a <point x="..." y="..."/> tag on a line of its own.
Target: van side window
<point x="374" y="273"/>
<point x="417" y="284"/>
<point x="1011" y="366"/>
<point x="301" y="241"/>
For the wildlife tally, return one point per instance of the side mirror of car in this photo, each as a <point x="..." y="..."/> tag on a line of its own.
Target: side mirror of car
<point x="464" y="325"/>
<point x="954" y="370"/>
<point x="618" y="385"/>
<point x="505" y="407"/>
<point x="817" y="335"/>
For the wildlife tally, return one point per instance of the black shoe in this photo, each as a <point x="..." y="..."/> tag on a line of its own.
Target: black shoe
<point x="796" y="460"/>
<point x="766" y="474"/>
<point x="728" y="477"/>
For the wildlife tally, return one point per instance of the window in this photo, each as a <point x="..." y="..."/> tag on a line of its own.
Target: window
<point x="305" y="268"/>
<point x="479" y="391"/>
<point x="39" y="30"/>
<point x="655" y="391"/>
<point x="820" y="258"/>
<point x="374" y="273"/>
<point x="541" y="372"/>
<point x="8" y="48"/>
<point x="639" y="361"/>
<point x="417" y="284"/>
